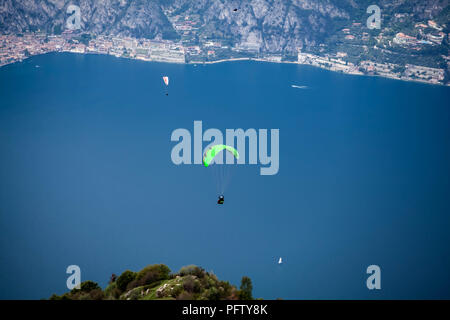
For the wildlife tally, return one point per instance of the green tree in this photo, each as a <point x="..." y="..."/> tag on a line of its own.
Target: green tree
<point x="152" y="273"/>
<point x="89" y="285"/>
<point x="125" y="278"/>
<point x="96" y="294"/>
<point x="191" y="270"/>
<point x="191" y="285"/>
<point x="246" y="288"/>
<point x="112" y="292"/>
<point x="86" y="286"/>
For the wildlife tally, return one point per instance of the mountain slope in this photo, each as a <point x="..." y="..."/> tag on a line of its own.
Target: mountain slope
<point x="271" y="26"/>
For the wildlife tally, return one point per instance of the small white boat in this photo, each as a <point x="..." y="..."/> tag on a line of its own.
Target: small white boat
<point x="280" y="261"/>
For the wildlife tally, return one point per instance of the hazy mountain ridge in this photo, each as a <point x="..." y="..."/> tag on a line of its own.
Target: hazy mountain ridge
<point x="117" y="17"/>
<point x="270" y="25"/>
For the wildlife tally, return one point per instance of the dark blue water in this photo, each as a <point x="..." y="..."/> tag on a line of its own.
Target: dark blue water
<point x="86" y="178"/>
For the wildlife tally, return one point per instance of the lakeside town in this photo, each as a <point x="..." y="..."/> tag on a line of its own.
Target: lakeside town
<point x="18" y="47"/>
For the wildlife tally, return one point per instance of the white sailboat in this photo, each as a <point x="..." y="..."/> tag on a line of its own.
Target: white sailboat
<point x="280" y="261"/>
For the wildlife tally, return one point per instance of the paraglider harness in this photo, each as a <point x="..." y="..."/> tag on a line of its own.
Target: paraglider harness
<point x="221" y="200"/>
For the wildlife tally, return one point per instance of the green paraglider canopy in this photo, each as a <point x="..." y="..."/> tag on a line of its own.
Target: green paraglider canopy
<point x="215" y="150"/>
<point x="221" y="172"/>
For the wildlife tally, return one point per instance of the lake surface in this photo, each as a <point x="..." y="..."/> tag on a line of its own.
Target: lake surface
<point x="86" y="178"/>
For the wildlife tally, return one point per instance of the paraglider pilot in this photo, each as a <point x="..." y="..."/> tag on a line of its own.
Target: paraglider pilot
<point x="221" y="200"/>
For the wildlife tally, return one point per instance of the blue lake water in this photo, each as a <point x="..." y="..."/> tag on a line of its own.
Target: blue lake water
<point x="86" y="178"/>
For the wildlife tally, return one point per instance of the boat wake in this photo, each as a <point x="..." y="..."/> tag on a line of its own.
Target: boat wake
<point x="299" y="87"/>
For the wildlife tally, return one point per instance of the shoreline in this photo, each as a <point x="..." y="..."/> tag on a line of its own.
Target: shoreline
<point x="238" y="59"/>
